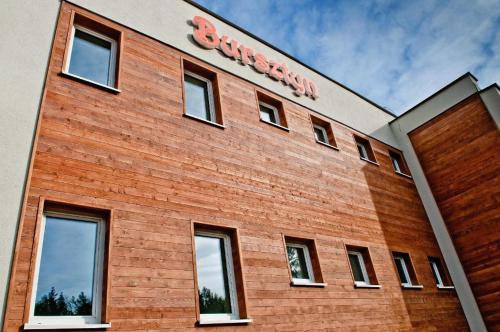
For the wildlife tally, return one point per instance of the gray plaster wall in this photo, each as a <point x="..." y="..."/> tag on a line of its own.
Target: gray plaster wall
<point x="27" y="33"/>
<point x="491" y="99"/>
<point x="170" y="24"/>
<point x="442" y="101"/>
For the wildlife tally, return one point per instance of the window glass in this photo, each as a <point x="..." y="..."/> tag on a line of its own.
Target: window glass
<point x="320" y="134"/>
<point x="66" y="273"/>
<point x="91" y="58"/>
<point x="297" y="260"/>
<point x="268" y="114"/>
<point x="213" y="282"/>
<point x="357" y="269"/>
<point x="403" y="273"/>
<point x="197" y="97"/>
<point x="435" y="267"/>
<point x="362" y="150"/>
<point x="395" y="163"/>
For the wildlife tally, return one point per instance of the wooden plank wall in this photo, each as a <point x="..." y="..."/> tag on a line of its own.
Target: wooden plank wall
<point x="160" y="171"/>
<point x="460" y="154"/>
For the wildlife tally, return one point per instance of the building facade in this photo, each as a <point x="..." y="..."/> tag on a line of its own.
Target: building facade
<point x="179" y="173"/>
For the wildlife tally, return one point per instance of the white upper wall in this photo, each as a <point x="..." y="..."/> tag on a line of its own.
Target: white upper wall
<point x="169" y="22"/>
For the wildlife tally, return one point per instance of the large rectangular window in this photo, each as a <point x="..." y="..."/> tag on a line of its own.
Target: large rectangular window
<point x="199" y="96"/>
<point x="67" y="286"/>
<point x="216" y="281"/>
<point x="92" y="56"/>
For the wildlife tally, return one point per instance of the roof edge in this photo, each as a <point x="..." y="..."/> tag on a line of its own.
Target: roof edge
<point x="260" y="40"/>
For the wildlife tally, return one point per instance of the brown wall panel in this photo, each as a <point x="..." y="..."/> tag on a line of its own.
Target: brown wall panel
<point x="160" y="172"/>
<point x="460" y="154"/>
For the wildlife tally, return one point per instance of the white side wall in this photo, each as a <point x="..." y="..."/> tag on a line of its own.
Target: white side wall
<point x="27" y="32"/>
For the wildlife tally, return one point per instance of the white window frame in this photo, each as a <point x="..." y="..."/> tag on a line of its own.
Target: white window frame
<point x="395" y="164"/>
<point x="307" y="258"/>
<point x="210" y="91"/>
<point x="364" y="272"/>
<point x="435" y="268"/>
<point x="95" y="318"/>
<point x="364" y="154"/>
<point x="112" y="58"/>
<point x="235" y="314"/>
<point x="405" y="270"/>
<point x="323" y="130"/>
<point x="275" y="112"/>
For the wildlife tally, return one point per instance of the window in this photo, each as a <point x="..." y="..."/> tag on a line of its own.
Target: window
<point x="364" y="149"/>
<point x="201" y="94"/>
<point x="361" y="267"/>
<point x="300" y="262"/>
<point x="440" y="274"/>
<point x="92" y="56"/>
<point x="398" y="163"/>
<point x="405" y="270"/>
<point x="218" y="281"/>
<point x="68" y="279"/>
<point x="303" y="262"/>
<point x="271" y="110"/>
<point x="323" y="132"/>
<point x="269" y="113"/>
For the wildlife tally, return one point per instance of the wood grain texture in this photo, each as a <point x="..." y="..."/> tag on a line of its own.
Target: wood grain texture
<point x="460" y="154"/>
<point x="161" y="173"/>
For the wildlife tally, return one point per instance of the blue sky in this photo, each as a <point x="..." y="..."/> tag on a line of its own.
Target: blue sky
<point x="394" y="52"/>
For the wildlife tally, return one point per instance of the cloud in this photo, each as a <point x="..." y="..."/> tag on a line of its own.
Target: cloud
<point x="393" y="52"/>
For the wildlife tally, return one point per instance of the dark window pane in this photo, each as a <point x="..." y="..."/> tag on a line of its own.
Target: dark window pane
<point x="362" y="150"/>
<point x="213" y="284"/>
<point x="267" y="114"/>
<point x="297" y="261"/>
<point x="91" y="58"/>
<point x="197" y="98"/>
<point x="66" y="275"/>
<point x="320" y="135"/>
<point x="356" y="268"/>
<point x="399" y="266"/>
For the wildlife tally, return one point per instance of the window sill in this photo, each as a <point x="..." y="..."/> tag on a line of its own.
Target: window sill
<point x="89" y="82"/>
<point x="308" y="284"/>
<point x="66" y="326"/>
<point x="403" y="174"/>
<point x="446" y="287"/>
<point x="358" y="285"/>
<point x="202" y="322"/>
<point x="412" y="286"/>
<point x="328" y="145"/>
<point x="275" y="125"/>
<point x="369" y="161"/>
<point x="215" y="124"/>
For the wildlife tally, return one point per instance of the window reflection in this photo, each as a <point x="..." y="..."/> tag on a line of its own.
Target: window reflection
<point x="66" y="272"/>
<point x="197" y="98"/>
<point x="213" y="285"/>
<point x="297" y="261"/>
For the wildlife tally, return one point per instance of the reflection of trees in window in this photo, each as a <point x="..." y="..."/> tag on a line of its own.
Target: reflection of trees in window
<point x="212" y="303"/>
<point x="297" y="263"/>
<point x="53" y="304"/>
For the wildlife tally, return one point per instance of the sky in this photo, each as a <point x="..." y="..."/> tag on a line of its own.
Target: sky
<point x="394" y="52"/>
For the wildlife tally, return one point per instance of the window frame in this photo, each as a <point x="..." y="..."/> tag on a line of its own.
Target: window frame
<point x="308" y="262"/>
<point x="210" y="91"/>
<point x="324" y="133"/>
<point x="437" y="274"/>
<point x="235" y="314"/>
<point x="98" y="276"/>
<point x="275" y="112"/>
<point x="113" y="57"/>
<point x="364" y="271"/>
<point x="406" y="273"/>
<point x="364" y="154"/>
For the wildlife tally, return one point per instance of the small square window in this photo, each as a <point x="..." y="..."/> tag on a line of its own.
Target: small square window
<point x="361" y="267"/>
<point x="440" y="274"/>
<point x="271" y="110"/>
<point x="92" y="56"/>
<point x="405" y="270"/>
<point x="364" y="149"/>
<point x="303" y="262"/>
<point x="68" y="282"/>
<point x="398" y="163"/>
<point x="323" y="132"/>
